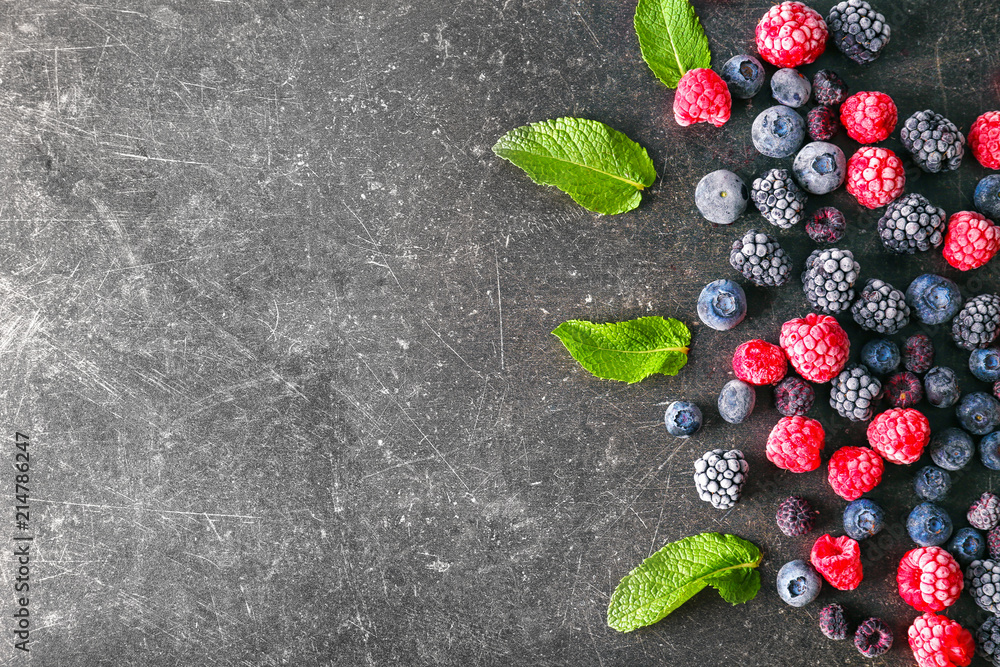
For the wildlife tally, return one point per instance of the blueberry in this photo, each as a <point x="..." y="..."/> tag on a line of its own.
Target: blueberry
<point x="880" y="356"/>
<point x="820" y="167"/>
<point x="790" y="88"/>
<point x="798" y="583"/>
<point x="933" y="299"/>
<point x="682" y="418"/>
<point x="722" y="305"/>
<point x="932" y="483"/>
<point x="987" y="197"/>
<point x="967" y="545"/>
<point x="863" y="518"/>
<point x="744" y="75"/>
<point x="951" y="448"/>
<point x="978" y="413"/>
<point x="928" y="525"/>
<point x="736" y="401"/>
<point x="989" y="450"/>
<point x="721" y="197"/>
<point x="941" y="387"/>
<point x="778" y="132"/>
<point x="985" y="364"/>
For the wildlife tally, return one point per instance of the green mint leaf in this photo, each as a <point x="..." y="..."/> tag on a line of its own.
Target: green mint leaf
<point x="671" y="39"/>
<point x="600" y="168"/>
<point x="671" y="576"/>
<point x="627" y="351"/>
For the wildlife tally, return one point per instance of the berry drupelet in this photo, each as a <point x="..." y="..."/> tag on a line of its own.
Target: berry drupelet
<point x="796" y="516"/>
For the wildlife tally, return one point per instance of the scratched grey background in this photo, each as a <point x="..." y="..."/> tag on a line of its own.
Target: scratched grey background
<point x="278" y="323"/>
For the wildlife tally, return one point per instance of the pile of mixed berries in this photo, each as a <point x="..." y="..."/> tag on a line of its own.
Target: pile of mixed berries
<point x="815" y="349"/>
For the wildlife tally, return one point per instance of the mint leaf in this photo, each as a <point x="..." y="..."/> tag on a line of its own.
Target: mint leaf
<point x="671" y="39"/>
<point x="671" y="576"/>
<point x="600" y="168"/>
<point x="627" y="351"/>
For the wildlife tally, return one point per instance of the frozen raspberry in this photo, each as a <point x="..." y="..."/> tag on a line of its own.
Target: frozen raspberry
<point x="832" y="622"/>
<point x="758" y="362"/>
<point x="793" y="396"/>
<point x="822" y="123"/>
<point x="984" y="139"/>
<point x="827" y="225"/>
<point x="839" y="561"/>
<point x="873" y="637"/>
<point x="929" y="579"/>
<point x="868" y="117"/>
<point x="899" y="434"/>
<point x="702" y="97"/>
<point x="795" y="443"/>
<point x="904" y="390"/>
<point x="796" y="516"/>
<point x="854" y="471"/>
<point x="938" y="641"/>
<point x="791" y="34"/>
<point x="875" y="176"/>
<point x="816" y="345"/>
<point x="971" y="240"/>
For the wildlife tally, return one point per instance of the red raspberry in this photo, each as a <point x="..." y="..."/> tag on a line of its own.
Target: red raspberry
<point x="791" y="34"/>
<point x="938" y="641"/>
<point x="899" y="434"/>
<point x="795" y="443"/>
<point x="929" y="579"/>
<point x="816" y="345"/>
<point x="839" y="561"/>
<point x="984" y="139"/>
<point x="759" y="362"/>
<point x="971" y="240"/>
<point x="875" y="176"/>
<point x="869" y="117"/>
<point x="854" y="471"/>
<point x="702" y="97"/>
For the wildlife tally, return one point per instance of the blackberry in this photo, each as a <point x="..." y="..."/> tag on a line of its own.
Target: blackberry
<point x="984" y="514"/>
<point x="793" y="396"/>
<point x="993" y="542"/>
<point x="904" y="390"/>
<point x="719" y="476"/>
<point x="832" y="622"/>
<point x="827" y="225"/>
<point x="760" y="259"/>
<point x="796" y="516"/>
<point x="822" y="123"/>
<point x="858" y="30"/>
<point x="982" y="580"/>
<point x="829" y="278"/>
<point x="934" y="141"/>
<point x="779" y="198"/>
<point x="988" y="639"/>
<point x="854" y="392"/>
<point x="828" y="88"/>
<point x="881" y="308"/>
<point x="911" y="224"/>
<point x="873" y="637"/>
<point x="976" y="325"/>
<point x="918" y="353"/>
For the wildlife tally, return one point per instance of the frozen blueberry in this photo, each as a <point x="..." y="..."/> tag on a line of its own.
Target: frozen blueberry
<point x="932" y="483"/>
<point x="987" y="197"/>
<point x="820" y="167"/>
<point x="933" y="299"/>
<point x="736" y="401"/>
<point x="985" y="364"/>
<point x="863" y="518"/>
<point x="928" y="525"/>
<point x="880" y="356"/>
<point x="721" y="197"/>
<point x="744" y="75"/>
<point x="790" y="88"/>
<point x="967" y="545"/>
<point x="778" y="132"/>
<point x="978" y="413"/>
<point x="989" y="450"/>
<point x="941" y="387"/>
<point x="722" y="305"/>
<point x="682" y="418"/>
<point x="951" y="448"/>
<point x="798" y="583"/>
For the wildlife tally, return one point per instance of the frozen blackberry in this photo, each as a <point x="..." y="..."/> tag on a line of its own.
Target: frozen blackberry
<point x="873" y="637"/>
<point x="719" y="476"/>
<point x="760" y="259"/>
<point x="988" y="639"/>
<point x="881" y="308"/>
<point x="822" y="123"/>
<point x="982" y="580"/>
<point x="976" y="325"/>
<point x="793" y="396"/>
<point x="993" y="542"/>
<point x="904" y="390"/>
<point x="832" y="622"/>
<point x="934" y="141"/>
<point x="829" y="278"/>
<point x="796" y="516"/>
<point x="911" y="224"/>
<point x="827" y="225"/>
<point x="858" y="30"/>
<point x="918" y="353"/>
<point x="779" y="198"/>
<point x="854" y="392"/>
<point x="828" y="88"/>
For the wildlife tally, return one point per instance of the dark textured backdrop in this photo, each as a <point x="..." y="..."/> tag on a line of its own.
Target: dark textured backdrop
<point x="277" y="321"/>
